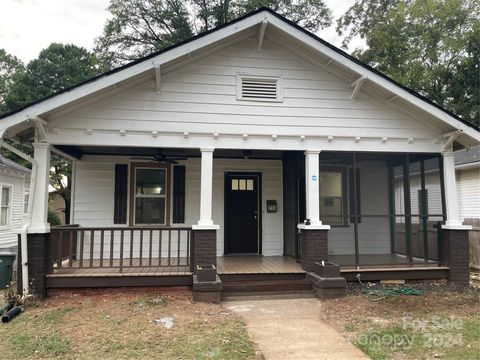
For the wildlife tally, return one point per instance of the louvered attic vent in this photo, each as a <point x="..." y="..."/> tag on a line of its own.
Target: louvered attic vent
<point x="259" y="88"/>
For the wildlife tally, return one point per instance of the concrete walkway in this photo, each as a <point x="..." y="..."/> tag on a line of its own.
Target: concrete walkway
<point x="292" y="329"/>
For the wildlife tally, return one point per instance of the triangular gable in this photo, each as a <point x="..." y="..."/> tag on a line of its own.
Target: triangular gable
<point x="250" y="21"/>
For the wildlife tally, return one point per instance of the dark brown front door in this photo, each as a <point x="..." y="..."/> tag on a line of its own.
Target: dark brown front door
<point x="242" y="213"/>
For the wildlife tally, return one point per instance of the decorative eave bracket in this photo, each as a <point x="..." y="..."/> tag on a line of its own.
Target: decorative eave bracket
<point x="40" y="126"/>
<point x="261" y="34"/>
<point x="357" y="84"/>
<point x="158" y="78"/>
<point x="449" y="139"/>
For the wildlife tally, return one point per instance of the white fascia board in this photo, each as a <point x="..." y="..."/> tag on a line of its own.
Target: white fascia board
<point x="131" y="71"/>
<point x="372" y="76"/>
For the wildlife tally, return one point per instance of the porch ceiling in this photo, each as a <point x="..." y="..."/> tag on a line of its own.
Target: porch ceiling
<point x="79" y="151"/>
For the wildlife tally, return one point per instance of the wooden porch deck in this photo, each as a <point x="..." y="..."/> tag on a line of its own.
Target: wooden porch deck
<point x="225" y="265"/>
<point x="230" y="268"/>
<point x="230" y="265"/>
<point x="258" y="265"/>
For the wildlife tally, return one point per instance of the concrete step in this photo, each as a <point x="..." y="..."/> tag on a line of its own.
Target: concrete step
<point x="268" y="295"/>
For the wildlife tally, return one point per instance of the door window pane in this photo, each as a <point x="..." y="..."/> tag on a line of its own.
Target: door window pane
<point x="234" y="184"/>
<point x="242" y="184"/>
<point x="250" y="184"/>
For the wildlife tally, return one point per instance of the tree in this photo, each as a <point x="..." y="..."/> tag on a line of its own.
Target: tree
<point x="310" y="14"/>
<point x="9" y="65"/>
<point x="140" y="27"/>
<point x="56" y="68"/>
<point x="60" y="175"/>
<point x="430" y="46"/>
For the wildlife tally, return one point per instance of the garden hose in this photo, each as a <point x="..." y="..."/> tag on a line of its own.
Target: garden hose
<point x="381" y="294"/>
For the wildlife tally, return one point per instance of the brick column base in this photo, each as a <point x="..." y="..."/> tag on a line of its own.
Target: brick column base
<point x="39" y="264"/>
<point x="205" y="253"/>
<point x="456" y="255"/>
<point x="313" y="248"/>
<point x="204" y="247"/>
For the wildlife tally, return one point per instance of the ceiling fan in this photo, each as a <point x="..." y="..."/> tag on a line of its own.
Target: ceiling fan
<point x="160" y="157"/>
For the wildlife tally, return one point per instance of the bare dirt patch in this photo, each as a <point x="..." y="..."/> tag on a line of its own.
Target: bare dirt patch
<point x="127" y="326"/>
<point x="420" y="318"/>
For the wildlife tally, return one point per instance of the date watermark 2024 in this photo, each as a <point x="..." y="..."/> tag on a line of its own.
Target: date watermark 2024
<point x="435" y="332"/>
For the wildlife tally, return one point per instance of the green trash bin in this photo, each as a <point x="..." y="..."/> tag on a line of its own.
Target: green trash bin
<point x="6" y="268"/>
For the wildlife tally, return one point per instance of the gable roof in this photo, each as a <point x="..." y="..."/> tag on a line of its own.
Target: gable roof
<point x="9" y="164"/>
<point x="465" y="156"/>
<point x="112" y="77"/>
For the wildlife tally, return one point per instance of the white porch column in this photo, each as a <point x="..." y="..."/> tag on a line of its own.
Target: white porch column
<point x="206" y="180"/>
<point x="454" y="221"/>
<point x="312" y="191"/>
<point x="39" y="221"/>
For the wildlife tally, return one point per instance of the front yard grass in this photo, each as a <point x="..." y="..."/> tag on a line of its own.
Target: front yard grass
<point x="125" y="326"/>
<point x="443" y="323"/>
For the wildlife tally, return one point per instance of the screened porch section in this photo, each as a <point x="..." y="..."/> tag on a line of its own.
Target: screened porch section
<point x="384" y="209"/>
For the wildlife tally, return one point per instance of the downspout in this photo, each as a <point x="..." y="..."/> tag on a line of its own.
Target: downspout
<point x="23" y="232"/>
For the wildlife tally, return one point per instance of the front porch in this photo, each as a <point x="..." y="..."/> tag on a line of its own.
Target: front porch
<point x="276" y="273"/>
<point x="384" y="214"/>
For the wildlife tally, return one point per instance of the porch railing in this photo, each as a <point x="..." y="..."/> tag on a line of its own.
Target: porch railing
<point x="120" y="248"/>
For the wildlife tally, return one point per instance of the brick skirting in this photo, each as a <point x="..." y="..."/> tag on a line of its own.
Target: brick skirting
<point x="313" y="247"/>
<point x="39" y="264"/>
<point x="204" y="247"/>
<point x="456" y="255"/>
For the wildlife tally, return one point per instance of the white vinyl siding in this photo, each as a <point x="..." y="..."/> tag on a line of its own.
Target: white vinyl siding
<point x="201" y="97"/>
<point x="468" y="192"/>
<point x="94" y="189"/>
<point x="16" y="182"/>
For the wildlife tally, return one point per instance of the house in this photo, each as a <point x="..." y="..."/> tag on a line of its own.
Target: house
<point x="256" y="147"/>
<point x="14" y="193"/>
<point x="467" y="170"/>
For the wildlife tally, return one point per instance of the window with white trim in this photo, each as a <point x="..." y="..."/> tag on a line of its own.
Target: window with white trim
<point x="5" y="205"/>
<point x="150" y="196"/>
<point x="26" y="196"/>
<point x="259" y="88"/>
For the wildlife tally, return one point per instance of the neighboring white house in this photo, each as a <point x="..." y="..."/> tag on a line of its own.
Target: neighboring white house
<point x="14" y="188"/>
<point x="467" y="168"/>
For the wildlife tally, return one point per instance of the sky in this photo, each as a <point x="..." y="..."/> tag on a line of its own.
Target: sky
<point x="28" y="26"/>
